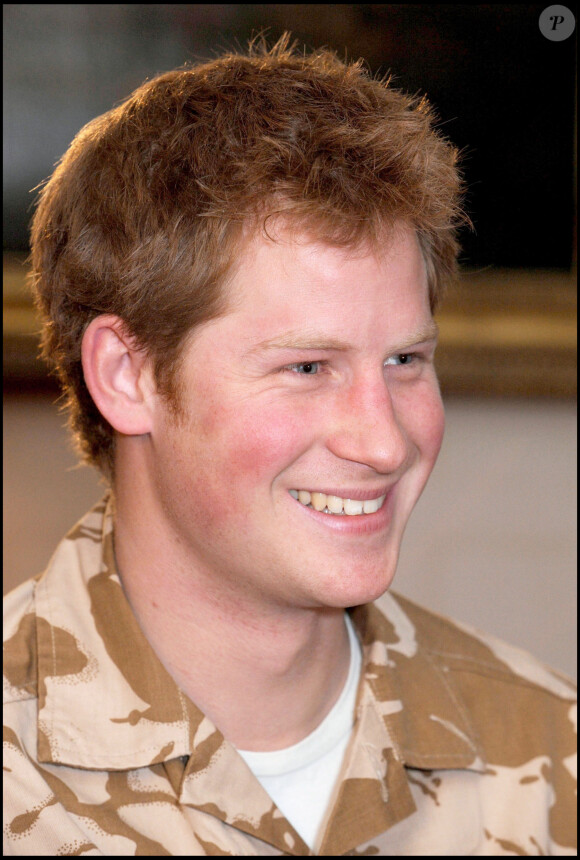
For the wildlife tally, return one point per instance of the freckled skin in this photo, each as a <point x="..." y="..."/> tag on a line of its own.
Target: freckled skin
<point x="252" y="431"/>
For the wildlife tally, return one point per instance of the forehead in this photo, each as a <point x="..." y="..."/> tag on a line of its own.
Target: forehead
<point x="299" y="292"/>
<point x="293" y="269"/>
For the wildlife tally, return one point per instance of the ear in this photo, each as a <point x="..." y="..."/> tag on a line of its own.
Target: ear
<point x="118" y="375"/>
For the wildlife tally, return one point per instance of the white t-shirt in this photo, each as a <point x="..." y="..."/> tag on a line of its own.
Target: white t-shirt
<point x="300" y="778"/>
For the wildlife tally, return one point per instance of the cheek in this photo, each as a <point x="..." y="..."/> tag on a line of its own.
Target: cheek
<point x="247" y="448"/>
<point x="263" y="446"/>
<point x="432" y="427"/>
<point x="424" y="419"/>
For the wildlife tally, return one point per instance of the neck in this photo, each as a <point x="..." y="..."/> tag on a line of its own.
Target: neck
<point x="266" y="674"/>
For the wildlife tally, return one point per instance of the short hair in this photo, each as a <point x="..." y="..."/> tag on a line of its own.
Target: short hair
<point x="145" y="213"/>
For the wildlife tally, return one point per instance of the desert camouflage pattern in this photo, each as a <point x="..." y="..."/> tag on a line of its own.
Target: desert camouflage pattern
<point x="462" y="745"/>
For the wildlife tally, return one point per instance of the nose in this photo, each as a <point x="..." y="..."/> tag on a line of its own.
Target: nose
<point x="365" y="427"/>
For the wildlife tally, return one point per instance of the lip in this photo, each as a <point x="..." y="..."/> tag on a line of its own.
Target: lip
<point x="357" y="525"/>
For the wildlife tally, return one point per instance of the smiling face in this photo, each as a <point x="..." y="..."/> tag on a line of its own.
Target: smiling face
<point x="315" y="393"/>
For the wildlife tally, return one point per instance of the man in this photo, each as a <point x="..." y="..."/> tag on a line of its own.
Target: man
<point x="238" y="269"/>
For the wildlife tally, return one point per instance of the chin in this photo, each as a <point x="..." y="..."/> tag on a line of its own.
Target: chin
<point x="359" y="586"/>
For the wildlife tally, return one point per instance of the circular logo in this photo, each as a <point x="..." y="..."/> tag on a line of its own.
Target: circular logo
<point x="557" y="23"/>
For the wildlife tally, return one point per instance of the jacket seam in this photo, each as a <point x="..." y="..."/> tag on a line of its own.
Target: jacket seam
<point x="508" y="676"/>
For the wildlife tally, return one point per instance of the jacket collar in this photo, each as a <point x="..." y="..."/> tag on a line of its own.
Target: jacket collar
<point x="413" y="692"/>
<point x="105" y="700"/>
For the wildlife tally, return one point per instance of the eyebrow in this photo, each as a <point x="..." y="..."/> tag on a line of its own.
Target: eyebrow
<point x="311" y="340"/>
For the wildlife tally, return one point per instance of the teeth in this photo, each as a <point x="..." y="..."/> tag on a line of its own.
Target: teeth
<point x="334" y="504"/>
<point x="370" y="506"/>
<point x="337" y="505"/>
<point x="353" y="507"/>
<point x="318" y="501"/>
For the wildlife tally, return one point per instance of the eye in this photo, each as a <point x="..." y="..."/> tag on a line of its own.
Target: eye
<point x="305" y="368"/>
<point x="403" y="358"/>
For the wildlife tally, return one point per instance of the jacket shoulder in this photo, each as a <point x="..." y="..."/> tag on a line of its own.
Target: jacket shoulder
<point x="519" y="710"/>
<point x="464" y="649"/>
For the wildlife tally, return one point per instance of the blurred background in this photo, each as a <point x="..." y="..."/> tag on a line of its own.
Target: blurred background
<point x="493" y="539"/>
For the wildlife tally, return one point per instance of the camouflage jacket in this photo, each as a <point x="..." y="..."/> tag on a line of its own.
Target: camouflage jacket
<point x="462" y="745"/>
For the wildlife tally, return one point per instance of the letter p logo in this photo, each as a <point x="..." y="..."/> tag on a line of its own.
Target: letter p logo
<point x="557" y="23"/>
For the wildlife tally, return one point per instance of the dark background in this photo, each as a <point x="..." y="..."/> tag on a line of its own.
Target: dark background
<point x="504" y="93"/>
